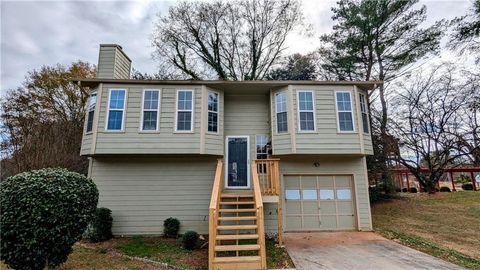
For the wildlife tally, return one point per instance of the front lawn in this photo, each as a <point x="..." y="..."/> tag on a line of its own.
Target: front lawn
<point x="445" y="225"/>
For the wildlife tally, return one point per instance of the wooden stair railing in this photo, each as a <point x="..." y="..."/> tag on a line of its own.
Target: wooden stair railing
<point x="269" y="176"/>
<point x="213" y="213"/>
<point x="260" y="221"/>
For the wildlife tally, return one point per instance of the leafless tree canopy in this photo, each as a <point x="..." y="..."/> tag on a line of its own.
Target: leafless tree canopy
<point x="237" y="40"/>
<point x="428" y="119"/>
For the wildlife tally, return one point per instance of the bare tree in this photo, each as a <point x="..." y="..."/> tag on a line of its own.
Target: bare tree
<point x="237" y="40"/>
<point x="426" y="121"/>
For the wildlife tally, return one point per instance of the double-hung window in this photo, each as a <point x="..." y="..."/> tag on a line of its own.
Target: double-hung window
<point x="344" y="111"/>
<point x="151" y="106"/>
<point x="116" y="109"/>
<point x="212" y="111"/>
<point x="364" y="111"/>
<point x="92" y="103"/>
<point x="306" y="113"/>
<point x="261" y="142"/>
<point x="281" y="112"/>
<point x="184" y="110"/>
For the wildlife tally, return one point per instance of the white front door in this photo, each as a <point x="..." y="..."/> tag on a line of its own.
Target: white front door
<point x="237" y="150"/>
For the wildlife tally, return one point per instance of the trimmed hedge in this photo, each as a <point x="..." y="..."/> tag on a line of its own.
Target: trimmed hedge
<point x="100" y="229"/>
<point x="467" y="186"/>
<point x="413" y="190"/>
<point x="44" y="212"/>
<point x="189" y="240"/>
<point x="171" y="227"/>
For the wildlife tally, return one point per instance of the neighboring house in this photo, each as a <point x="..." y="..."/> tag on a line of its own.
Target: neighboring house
<point x="248" y="157"/>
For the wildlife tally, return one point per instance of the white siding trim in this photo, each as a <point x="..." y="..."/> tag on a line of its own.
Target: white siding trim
<point x="124" y="110"/>
<point x="313" y="111"/>
<point x="192" y="118"/>
<point x="351" y="111"/>
<point x="142" y="110"/>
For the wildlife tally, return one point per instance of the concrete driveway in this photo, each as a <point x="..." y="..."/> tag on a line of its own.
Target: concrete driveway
<point x="356" y="250"/>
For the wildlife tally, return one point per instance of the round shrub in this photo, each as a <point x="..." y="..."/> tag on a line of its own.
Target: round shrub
<point x="44" y="212"/>
<point x="404" y="189"/>
<point x="444" y="189"/>
<point x="189" y="240"/>
<point x="413" y="190"/>
<point x="171" y="226"/>
<point x="467" y="186"/>
<point x="100" y="229"/>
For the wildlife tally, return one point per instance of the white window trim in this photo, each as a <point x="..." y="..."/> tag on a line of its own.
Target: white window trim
<point x="123" y="110"/>
<point x="88" y="112"/>
<point x="217" y="112"/>
<point x="256" y="144"/>
<point x="192" y="126"/>
<point x="351" y="111"/>
<point x="366" y="111"/>
<point x="248" y="163"/>
<point x="150" y="110"/>
<point x="313" y="111"/>
<point x="276" y="110"/>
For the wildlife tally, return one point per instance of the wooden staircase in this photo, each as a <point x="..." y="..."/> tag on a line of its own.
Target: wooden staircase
<point x="236" y="227"/>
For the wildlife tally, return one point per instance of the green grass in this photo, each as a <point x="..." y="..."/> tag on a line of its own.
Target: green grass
<point x="434" y="249"/>
<point x="445" y="225"/>
<point x="141" y="247"/>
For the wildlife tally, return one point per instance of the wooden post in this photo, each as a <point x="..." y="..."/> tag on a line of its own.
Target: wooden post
<point x="473" y="181"/>
<point x="408" y="182"/>
<point x="453" y="181"/>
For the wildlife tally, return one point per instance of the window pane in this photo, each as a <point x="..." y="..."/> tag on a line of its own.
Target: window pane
<point x="150" y="120"/>
<point x="184" y="100"/>
<point x="213" y="102"/>
<point x="306" y="121"/>
<point x="92" y="101"/>
<point x="282" y="125"/>
<point x="184" y="121"/>
<point x="281" y="102"/>
<point x="212" y="122"/>
<point x="344" y="194"/>
<point x="117" y="98"/>
<point x="90" y="121"/>
<point x="150" y="100"/>
<point x="309" y="194"/>
<point x="326" y="194"/>
<point x="305" y="100"/>
<point x="292" y="194"/>
<point x="261" y="146"/>
<point x="365" y="123"/>
<point x="345" y="121"/>
<point x="115" y="120"/>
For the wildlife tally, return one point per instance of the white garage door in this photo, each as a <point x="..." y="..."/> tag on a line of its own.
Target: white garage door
<point x="319" y="202"/>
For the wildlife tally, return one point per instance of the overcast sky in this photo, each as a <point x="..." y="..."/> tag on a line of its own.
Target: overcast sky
<point x="36" y="33"/>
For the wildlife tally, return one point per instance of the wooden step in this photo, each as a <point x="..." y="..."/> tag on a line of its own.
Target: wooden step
<point x="236" y="236"/>
<point x="236" y="227"/>
<point x="237" y="218"/>
<point x="236" y="195"/>
<point x="236" y="203"/>
<point x="237" y="247"/>
<point x="237" y="259"/>
<point x="238" y="210"/>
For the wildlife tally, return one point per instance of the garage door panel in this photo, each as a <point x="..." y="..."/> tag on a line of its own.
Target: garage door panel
<point x="293" y="182"/>
<point x="343" y="181"/>
<point x="319" y="202"/>
<point x="328" y="222"/>
<point x="346" y="222"/>
<point x="345" y="207"/>
<point x="293" y="207"/>
<point x="311" y="222"/>
<point x="309" y="182"/>
<point x="294" y="222"/>
<point x="327" y="207"/>
<point x="325" y="181"/>
<point x="310" y="208"/>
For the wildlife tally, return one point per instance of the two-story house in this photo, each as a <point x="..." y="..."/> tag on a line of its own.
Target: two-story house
<point x="233" y="159"/>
